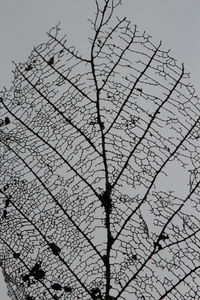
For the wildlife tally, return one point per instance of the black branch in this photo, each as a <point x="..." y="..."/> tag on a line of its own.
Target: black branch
<point x="93" y="150"/>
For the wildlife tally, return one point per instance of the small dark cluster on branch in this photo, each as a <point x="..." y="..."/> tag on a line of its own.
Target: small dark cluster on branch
<point x="88" y="148"/>
<point x="36" y="272"/>
<point x="106" y="201"/>
<point x="55" y="249"/>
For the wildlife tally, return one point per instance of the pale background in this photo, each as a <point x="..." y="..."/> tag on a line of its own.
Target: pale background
<point x="23" y="24"/>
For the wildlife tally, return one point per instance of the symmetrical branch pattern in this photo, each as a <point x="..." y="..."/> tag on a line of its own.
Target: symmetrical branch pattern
<point x="88" y="145"/>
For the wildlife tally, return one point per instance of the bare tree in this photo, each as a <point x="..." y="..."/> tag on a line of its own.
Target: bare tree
<point x="87" y="147"/>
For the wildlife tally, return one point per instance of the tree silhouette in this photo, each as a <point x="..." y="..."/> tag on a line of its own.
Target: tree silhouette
<point x="87" y="148"/>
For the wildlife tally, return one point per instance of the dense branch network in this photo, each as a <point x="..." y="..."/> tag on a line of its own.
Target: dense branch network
<point x="86" y="145"/>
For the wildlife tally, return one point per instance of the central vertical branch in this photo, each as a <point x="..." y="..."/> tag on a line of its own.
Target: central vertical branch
<point x="108" y="207"/>
<point x="105" y="196"/>
<point x="105" y="199"/>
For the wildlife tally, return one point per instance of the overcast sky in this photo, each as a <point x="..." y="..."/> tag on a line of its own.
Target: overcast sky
<point x="23" y="24"/>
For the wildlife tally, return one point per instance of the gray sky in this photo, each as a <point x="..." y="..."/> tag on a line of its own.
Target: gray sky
<point x="23" y="24"/>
